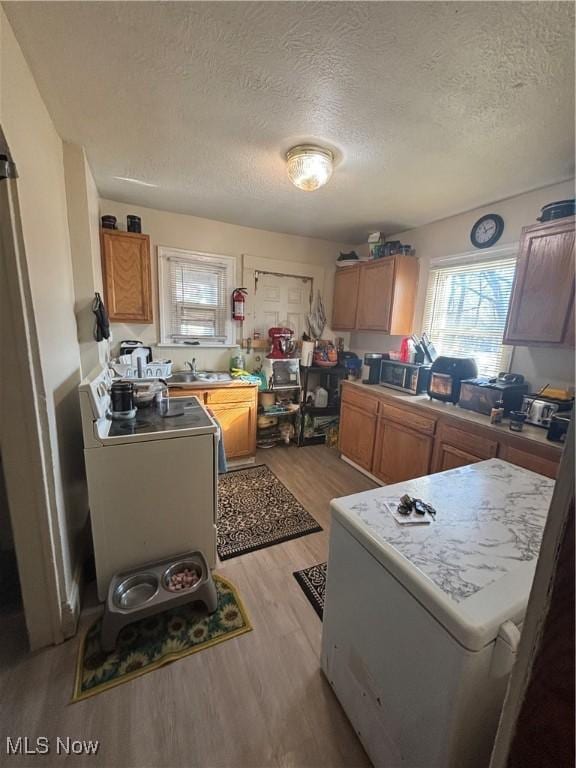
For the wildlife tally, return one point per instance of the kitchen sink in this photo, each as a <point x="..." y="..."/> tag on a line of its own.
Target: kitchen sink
<point x="188" y="377"/>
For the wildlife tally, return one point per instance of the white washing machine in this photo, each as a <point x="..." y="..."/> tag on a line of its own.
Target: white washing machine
<point x="152" y="480"/>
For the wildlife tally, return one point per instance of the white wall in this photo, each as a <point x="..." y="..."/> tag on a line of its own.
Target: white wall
<point x="37" y="151"/>
<point x="452" y="236"/>
<point x="83" y="223"/>
<point x="190" y="232"/>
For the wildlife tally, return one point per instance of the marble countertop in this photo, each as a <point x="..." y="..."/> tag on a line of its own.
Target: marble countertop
<point x="439" y="408"/>
<point x="489" y="524"/>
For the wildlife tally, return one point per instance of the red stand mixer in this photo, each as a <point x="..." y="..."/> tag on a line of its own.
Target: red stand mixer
<point x="282" y="343"/>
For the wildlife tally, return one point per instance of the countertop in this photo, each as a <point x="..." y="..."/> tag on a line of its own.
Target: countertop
<point x="439" y="408"/>
<point x="486" y="534"/>
<point x="209" y="384"/>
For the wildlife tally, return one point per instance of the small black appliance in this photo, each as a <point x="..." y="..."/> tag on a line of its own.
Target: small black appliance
<point x="122" y="400"/>
<point x="482" y="394"/>
<point x="558" y="428"/>
<point x="446" y="375"/>
<point x="373" y="362"/>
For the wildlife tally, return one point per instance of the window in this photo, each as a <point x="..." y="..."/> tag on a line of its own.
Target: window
<point x="466" y="309"/>
<point x="195" y="296"/>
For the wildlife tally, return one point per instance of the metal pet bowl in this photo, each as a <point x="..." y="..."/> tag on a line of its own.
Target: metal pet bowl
<point x="182" y="565"/>
<point x="144" y="591"/>
<point x="135" y="591"/>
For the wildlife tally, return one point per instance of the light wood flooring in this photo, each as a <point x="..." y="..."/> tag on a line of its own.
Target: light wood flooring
<point x="255" y="701"/>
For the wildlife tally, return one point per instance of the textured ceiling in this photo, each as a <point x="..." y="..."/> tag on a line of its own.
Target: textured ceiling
<point x="432" y="108"/>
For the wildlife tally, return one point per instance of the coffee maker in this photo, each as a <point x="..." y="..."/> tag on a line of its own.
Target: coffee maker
<point x="282" y="343"/>
<point x="372" y="366"/>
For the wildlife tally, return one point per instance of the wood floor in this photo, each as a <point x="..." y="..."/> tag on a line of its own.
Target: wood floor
<point x="255" y="701"/>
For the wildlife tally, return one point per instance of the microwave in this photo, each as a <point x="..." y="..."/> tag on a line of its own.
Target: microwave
<point x="281" y="373"/>
<point x="411" y="378"/>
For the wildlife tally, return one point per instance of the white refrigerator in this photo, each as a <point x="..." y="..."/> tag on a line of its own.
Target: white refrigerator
<point x="421" y="623"/>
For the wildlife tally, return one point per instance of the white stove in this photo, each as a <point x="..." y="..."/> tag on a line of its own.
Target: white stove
<point x="152" y="480"/>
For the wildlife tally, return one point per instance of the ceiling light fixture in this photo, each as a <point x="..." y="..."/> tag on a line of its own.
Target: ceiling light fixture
<point x="309" y="167"/>
<point x="135" y="181"/>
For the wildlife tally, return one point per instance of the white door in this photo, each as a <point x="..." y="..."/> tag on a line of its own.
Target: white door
<point x="280" y="300"/>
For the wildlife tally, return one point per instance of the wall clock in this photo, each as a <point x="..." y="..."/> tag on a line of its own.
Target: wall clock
<point x="487" y="230"/>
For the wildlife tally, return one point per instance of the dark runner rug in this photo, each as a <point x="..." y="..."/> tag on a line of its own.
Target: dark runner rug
<point x="255" y="510"/>
<point x="313" y="583"/>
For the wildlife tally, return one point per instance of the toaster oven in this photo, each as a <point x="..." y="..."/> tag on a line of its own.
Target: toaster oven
<point x="482" y="394"/>
<point x="408" y="377"/>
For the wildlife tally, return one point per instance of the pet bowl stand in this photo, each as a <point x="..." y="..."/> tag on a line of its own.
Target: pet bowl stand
<point x="143" y="591"/>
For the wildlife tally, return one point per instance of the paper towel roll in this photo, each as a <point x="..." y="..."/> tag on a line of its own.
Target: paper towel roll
<point x="307" y="353"/>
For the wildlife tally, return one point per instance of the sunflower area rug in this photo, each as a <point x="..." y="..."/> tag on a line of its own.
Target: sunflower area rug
<point x="150" y="643"/>
<point x="312" y="581"/>
<point x="255" y="510"/>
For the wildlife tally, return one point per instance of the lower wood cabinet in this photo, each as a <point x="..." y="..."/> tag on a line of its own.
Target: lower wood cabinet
<point x="357" y="433"/>
<point x="457" y="447"/>
<point x="238" y="422"/>
<point x="400" y="453"/>
<point x="395" y="441"/>
<point x="236" y="411"/>
<point x="449" y="457"/>
<point x="543" y="465"/>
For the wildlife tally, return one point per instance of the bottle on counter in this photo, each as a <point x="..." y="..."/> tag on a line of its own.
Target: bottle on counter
<point x="237" y="361"/>
<point x="497" y="413"/>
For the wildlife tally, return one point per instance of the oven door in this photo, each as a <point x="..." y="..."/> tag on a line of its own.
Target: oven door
<point x="392" y="375"/>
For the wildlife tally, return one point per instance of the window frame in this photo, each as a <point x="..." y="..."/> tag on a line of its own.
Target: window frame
<point x="473" y="258"/>
<point x="229" y="262"/>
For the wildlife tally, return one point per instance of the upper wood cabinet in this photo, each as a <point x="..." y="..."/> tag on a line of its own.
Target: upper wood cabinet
<point x="542" y="303"/>
<point x="376" y="295"/>
<point x="346" y="282"/>
<point x="126" y="275"/>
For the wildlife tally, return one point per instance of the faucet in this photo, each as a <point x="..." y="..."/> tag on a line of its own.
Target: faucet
<point x="192" y="365"/>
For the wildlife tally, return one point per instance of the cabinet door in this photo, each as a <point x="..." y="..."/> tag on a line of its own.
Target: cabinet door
<point x="238" y="423"/>
<point x="539" y="464"/>
<point x="541" y="307"/>
<point x="449" y="457"/>
<point x="346" y="282"/>
<point x="375" y="295"/>
<point x="400" y="453"/>
<point x="126" y="276"/>
<point x="356" y="435"/>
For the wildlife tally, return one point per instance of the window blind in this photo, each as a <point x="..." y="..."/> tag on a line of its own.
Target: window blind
<point x="466" y="308"/>
<point x="197" y="303"/>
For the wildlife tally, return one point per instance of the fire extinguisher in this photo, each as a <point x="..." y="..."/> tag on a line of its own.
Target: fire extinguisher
<point x="238" y="302"/>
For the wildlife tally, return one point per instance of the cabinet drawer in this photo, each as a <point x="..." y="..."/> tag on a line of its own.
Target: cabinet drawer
<point x="188" y="392"/>
<point x="360" y="398"/>
<point x="470" y="442"/>
<point x="408" y="418"/>
<point x="231" y="395"/>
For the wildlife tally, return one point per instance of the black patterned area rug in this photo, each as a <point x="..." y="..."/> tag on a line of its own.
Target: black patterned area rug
<point x="313" y="583"/>
<point x="255" y="510"/>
